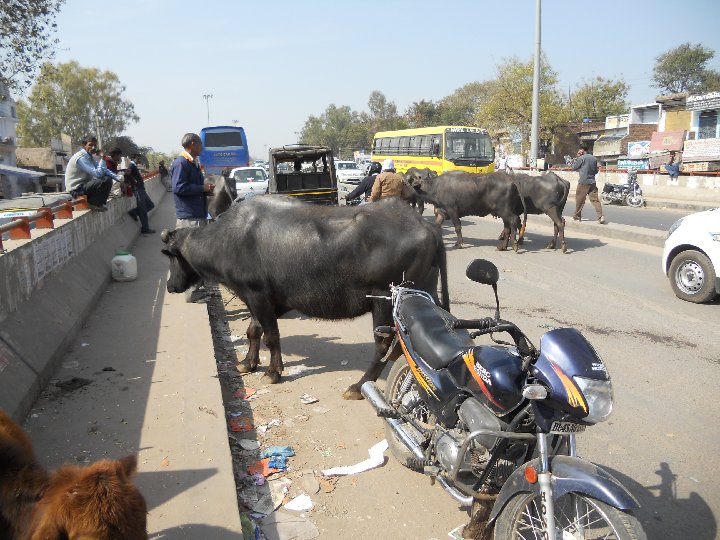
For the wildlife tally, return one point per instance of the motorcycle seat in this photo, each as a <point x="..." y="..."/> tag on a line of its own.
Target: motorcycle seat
<point x="432" y="335"/>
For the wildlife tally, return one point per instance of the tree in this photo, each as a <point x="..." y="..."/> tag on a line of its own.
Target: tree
<point x="508" y="103"/>
<point x="684" y="69"/>
<point x="382" y="116"/>
<point x="461" y="107"/>
<point x="68" y="98"/>
<point x="422" y="114"/>
<point x="599" y="98"/>
<point x="336" y="128"/>
<point x="26" y="27"/>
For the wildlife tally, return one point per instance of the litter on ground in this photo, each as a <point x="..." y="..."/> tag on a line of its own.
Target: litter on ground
<point x="376" y="459"/>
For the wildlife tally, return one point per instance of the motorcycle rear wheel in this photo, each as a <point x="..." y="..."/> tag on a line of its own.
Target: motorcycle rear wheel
<point x="606" y="198"/>
<point x="400" y="381"/>
<point x="576" y="517"/>
<point x="636" y="201"/>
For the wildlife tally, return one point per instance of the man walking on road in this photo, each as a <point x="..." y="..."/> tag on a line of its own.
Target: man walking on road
<point x="587" y="167"/>
<point x="190" y="192"/>
<point x="388" y="183"/>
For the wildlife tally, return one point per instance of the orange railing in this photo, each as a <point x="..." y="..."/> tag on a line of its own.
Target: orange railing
<point x="44" y="218"/>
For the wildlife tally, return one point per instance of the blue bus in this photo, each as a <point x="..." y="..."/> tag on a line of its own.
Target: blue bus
<point x="223" y="146"/>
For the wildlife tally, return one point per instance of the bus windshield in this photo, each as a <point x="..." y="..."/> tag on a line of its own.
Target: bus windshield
<point x="223" y="139"/>
<point x="468" y="148"/>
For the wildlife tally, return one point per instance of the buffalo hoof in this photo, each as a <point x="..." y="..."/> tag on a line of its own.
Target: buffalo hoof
<point x="564" y="247"/>
<point x="352" y="392"/>
<point x="515" y="247"/>
<point x="272" y="376"/>
<point x="551" y="245"/>
<point x="458" y="245"/>
<point x="245" y="367"/>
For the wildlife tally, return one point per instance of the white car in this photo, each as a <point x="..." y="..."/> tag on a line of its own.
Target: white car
<point x="691" y="258"/>
<point x="348" y="172"/>
<point x="250" y="181"/>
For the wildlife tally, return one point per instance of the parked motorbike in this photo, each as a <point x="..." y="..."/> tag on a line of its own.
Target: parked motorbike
<point x="495" y="424"/>
<point x="630" y="193"/>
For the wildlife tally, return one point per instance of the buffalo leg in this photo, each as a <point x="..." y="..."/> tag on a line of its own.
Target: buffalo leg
<point x="382" y="346"/>
<point x="506" y="235"/>
<point x="458" y="231"/>
<point x="252" y="358"/>
<point x="558" y="229"/>
<point x="421" y="206"/>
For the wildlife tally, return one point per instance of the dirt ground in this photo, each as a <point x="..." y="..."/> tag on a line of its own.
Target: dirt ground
<point x="321" y="359"/>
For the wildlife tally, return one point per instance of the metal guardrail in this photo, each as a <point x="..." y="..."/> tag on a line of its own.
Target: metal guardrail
<point x="19" y="227"/>
<point x="44" y="218"/>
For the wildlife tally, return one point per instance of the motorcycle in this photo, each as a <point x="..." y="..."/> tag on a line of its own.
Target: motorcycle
<point x="629" y="193"/>
<point x="495" y="425"/>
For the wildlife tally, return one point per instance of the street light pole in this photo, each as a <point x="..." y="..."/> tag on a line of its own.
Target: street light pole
<point x="536" y="90"/>
<point x="207" y="102"/>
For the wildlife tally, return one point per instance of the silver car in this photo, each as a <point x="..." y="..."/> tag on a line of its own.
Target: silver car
<point x="250" y="181"/>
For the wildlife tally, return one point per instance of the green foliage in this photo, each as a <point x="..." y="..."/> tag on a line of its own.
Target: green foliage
<point x="423" y="113"/>
<point x="345" y="130"/>
<point x="26" y="29"/>
<point x="67" y="98"/>
<point x="461" y="107"/>
<point x="599" y="98"/>
<point x="507" y="105"/>
<point x="684" y="69"/>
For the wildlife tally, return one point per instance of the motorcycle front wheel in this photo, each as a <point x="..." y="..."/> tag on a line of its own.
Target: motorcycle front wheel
<point x="576" y="517"/>
<point x="401" y="392"/>
<point x="635" y="200"/>
<point x="606" y="198"/>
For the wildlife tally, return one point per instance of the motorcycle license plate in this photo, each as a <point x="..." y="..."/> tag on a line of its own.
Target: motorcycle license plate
<point x="561" y="428"/>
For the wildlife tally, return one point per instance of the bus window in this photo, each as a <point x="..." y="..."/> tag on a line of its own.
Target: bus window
<point x="424" y="148"/>
<point x="404" y="146"/>
<point x="415" y="145"/>
<point x="223" y="139"/>
<point x="394" y="147"/>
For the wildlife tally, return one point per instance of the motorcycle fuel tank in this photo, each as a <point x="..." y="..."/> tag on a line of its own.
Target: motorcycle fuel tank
<point x="493" y="375"/>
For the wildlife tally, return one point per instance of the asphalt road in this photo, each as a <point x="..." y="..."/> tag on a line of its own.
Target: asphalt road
<point x="662" y="354"/>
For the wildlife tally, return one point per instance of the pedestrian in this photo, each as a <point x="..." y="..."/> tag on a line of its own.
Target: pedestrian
<point x="587" y="167"/>
<point x="673" y="167"/>
<point x="388" y="183"/>
<point x="164" y="176"/>
<point x="190" y="191"/>
<point x="502" y="163"/>
<point x="365" y="186"/>
<point x="85" y="176"/>
<point x="143" y="203"/>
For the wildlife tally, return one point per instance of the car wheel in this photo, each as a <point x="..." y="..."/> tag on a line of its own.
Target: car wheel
<point x="692" y="277"/>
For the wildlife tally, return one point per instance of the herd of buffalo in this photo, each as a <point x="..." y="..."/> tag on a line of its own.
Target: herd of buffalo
<point x="279" y="254"/>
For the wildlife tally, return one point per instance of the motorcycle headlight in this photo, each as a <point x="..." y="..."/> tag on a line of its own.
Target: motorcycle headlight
<point x="599" y="398"/>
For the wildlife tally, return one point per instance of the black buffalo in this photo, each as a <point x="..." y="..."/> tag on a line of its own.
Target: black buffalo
<point x="410" y="195"/>
<point x="277" y="254"/>
<point x="457" y="194"/>
<point x="545" y="194"/>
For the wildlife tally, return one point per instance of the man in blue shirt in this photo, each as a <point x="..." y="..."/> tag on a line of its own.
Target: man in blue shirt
<point x="190" y="191"/>
<point x="85" y="176"/>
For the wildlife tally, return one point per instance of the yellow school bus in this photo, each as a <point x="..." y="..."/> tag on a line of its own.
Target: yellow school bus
<point x="440" y="148"/>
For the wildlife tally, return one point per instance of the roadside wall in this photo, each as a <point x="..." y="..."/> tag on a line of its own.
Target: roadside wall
<point x="688" y="188"/>
<point x="48" y="287"/>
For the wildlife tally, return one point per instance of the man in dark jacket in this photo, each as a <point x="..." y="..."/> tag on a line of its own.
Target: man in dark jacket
<point x="366" y="184"/>
<point x="190" y="192"/>
<point x="143" y="202"/>
<point x="586" y="166"/>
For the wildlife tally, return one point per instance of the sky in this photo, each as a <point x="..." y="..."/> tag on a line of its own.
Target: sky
<point x="269" y="65"/>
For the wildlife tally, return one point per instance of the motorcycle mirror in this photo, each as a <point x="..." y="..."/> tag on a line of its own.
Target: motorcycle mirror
<point x="482" y="271"/>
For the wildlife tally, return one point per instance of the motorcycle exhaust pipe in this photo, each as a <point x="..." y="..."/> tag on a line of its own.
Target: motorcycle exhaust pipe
<point x="385" y="411"/>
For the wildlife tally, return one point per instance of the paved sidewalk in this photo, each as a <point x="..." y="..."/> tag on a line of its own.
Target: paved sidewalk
<point x="141" y="378"/>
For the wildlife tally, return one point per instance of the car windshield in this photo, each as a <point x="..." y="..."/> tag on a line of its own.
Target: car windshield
<point x="468" y="148"/>
<point x="347" y="166"/>
<point x="250" y="175"/>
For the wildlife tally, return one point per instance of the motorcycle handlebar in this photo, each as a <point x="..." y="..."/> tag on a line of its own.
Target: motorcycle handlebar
<point x="485" y="323"/>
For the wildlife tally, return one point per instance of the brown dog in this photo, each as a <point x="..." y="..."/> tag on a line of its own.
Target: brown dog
<point x="77" y="503"/>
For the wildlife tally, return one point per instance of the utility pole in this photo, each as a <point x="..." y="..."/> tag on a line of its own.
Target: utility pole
<point x="97" y="131"/>
<point x="207" y="102"/>
<point x="536" y="90"/>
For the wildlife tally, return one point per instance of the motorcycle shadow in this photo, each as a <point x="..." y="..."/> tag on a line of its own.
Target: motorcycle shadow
<point x="663" y="514"/>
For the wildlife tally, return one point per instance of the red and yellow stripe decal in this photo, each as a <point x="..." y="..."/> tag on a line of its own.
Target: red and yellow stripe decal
<point x="469" y="359"/>
<point x="574" y="396"/>
<point x="420" y="377"/>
